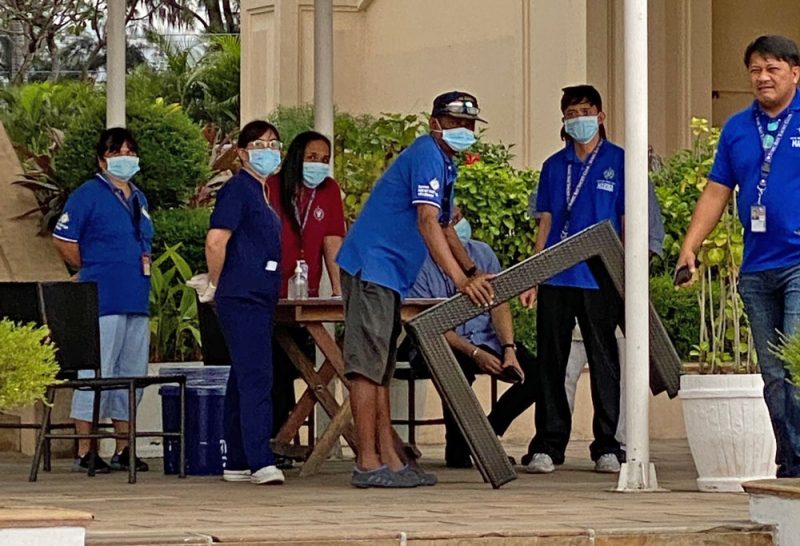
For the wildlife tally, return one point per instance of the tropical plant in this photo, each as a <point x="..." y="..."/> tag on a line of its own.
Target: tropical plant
<point x="27" y="363"/>
<point x="174" y="327"/>
<point x="36" y="115"/>
<point x="788" y="351"/>
<point x="725" y="342"/>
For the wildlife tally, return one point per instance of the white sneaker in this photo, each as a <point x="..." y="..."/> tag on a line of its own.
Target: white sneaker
<point x="607" y="464"/>
<point x="236" y="475"/>
<point x="541" y="463"/>
<point x="269" y="475"/>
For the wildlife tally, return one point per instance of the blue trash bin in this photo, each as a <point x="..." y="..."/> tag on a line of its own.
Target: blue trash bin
<point x="205" y="401"/>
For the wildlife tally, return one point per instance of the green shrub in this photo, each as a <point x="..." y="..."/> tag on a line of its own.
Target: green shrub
<point x="31" y="112"/>
<point x="172" y="149"/>
<point x="187" y="226"/>
<point x="27" y="363"/>
<point x="493" y="196"/>
<point x="679" y="312"/>
<point x="524" y="325"/>
<point x="788" y="351"/>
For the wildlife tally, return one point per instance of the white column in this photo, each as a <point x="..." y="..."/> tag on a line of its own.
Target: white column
<point x="638" y="474"/>
<point x="323" y="123"/>
<point x="323" y="67"/>
<point x="115" y="64"/>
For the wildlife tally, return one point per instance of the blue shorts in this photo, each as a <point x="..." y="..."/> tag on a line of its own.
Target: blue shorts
<point x="124" y="351"/>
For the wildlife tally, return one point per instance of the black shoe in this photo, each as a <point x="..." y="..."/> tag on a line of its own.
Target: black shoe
<point x="283" y="463"/>
<point x="81" y="464"/>
<point x="121" y="461"/>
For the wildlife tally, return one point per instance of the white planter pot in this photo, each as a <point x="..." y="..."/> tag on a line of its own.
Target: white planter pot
<point x="728" y="428"/>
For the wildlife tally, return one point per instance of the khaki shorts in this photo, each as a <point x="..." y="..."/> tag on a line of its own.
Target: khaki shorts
<point x="372" y="326"/>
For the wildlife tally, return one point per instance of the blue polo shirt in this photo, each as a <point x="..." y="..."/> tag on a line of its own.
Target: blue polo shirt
<point x="112" y="234"/>
<point x="738" y="164"/>
<point x="384" y="244"/>
<point x="602" y="197"/>
<point x="252" y="257"/>
<point x="432" y="282"/>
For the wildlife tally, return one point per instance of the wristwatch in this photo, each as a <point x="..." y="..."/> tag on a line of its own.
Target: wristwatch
<point x="471" y="271"/>
<point x="512" y="346"/>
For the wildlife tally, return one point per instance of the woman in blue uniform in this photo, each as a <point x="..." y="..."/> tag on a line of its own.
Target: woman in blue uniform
<point x="243" y="253"/>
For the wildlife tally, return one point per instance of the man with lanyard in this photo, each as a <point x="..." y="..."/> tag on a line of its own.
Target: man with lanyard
<point x="406" y="216"/>
<point x="579" y="186"/>
<point x="759" y="153"/>
<point x="105" y="233"/>
<point x="484" y="344"/>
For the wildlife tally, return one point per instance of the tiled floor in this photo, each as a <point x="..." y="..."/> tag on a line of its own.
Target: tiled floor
<point x="572" y="502"/>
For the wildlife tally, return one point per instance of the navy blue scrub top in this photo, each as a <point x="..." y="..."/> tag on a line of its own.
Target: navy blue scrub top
<point x="253" y="254"/>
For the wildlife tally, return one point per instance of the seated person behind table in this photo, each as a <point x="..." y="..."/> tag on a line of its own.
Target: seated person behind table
<point x="309" y="204"/>
<point x="484" y="344"/>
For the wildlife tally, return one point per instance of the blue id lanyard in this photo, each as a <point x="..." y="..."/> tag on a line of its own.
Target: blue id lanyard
<point x="769" y="145"/>
<point x="572" y="194"/>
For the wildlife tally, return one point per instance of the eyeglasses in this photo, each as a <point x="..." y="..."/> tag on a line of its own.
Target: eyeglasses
<point x="273" y="144"/>
<point x="462" y="107"/>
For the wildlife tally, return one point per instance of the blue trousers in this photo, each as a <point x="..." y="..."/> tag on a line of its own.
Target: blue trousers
<point x="247" y="326"/>
<point x="124" y="348"/>
<point x="772" y="301"/>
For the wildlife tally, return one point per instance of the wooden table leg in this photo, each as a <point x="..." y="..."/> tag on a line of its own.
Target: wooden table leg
<point x="313" y="380"/>
<point x="327" y="441"/>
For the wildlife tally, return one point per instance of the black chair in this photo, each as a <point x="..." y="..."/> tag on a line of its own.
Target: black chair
<point x="411" y="368"/>
<point x="70" y="312"/>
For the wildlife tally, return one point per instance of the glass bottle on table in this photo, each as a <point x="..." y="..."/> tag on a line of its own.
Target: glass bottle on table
<point x="298" y="284"/>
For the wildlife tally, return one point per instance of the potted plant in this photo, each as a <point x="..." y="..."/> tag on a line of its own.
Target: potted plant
<point x="727" y="423"/>
<point x="27" y="364"/>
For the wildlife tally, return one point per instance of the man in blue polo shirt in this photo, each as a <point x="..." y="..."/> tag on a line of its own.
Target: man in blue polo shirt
<point x="484" y="344"/>
<point x="579" y="186"/>
<point x="105" y="232"/>
<point x="759" y="154"/>
<point x="406" y="216"/>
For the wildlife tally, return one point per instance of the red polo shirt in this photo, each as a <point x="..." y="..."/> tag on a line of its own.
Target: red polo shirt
<point x="323" y="214"/>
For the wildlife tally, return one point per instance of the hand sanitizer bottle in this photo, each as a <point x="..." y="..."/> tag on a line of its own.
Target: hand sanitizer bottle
<point x="298" y="284"/>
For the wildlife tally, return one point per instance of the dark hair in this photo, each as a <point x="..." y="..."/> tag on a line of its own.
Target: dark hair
<point x="292" y="171"/>
<point x="253" y="130"/>
<point x="112" y="140"/>
<point x="778" y="47"/>
<point x="577" y="94"/>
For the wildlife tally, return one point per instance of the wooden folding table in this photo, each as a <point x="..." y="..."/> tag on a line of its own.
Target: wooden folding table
<point x="312" y="314"/>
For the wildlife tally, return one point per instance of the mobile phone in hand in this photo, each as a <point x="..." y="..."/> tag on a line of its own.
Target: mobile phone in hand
<point x="682" y="275"/>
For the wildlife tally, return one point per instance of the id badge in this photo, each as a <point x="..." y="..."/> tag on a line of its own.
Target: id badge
<point x="758" y="219"/>
<point x="146" y="265"/>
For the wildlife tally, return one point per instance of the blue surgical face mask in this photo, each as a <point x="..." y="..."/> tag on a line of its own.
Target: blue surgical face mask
<point x="314" y="173"/>
<point x="459" y="138"/>
<point x="122" y="167"/>
<point x="264" y="161"/>
<point x="463" y="230"/>
<point x="582" y="129"/>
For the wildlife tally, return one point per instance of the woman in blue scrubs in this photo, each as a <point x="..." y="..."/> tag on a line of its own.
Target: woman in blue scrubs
<point x="243" y="254"/>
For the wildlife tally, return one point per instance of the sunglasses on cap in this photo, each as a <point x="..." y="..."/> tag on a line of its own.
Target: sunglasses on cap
<point x="460" y="107"/>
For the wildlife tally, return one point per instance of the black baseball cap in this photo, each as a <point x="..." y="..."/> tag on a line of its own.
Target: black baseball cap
<point x="457" y="104"/>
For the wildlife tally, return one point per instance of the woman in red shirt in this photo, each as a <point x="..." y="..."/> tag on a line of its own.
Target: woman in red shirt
<point x="309" y="203"/>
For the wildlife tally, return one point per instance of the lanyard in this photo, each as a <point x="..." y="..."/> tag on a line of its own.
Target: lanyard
<point x="768" y="153"/>
<point x="572" y="194"/>
<point x="302" y="223"/>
